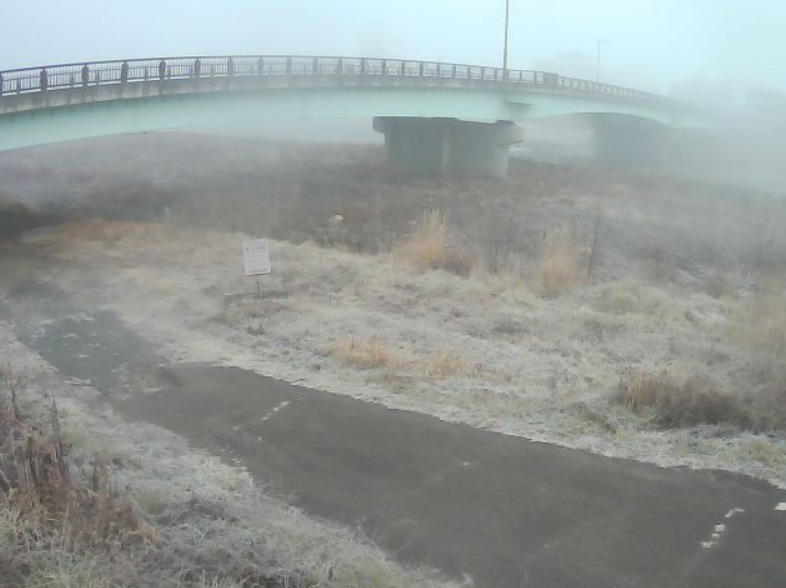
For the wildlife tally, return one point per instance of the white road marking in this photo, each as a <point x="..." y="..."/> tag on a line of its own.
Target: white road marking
<point x="781" y="506"/>
<point x="275" y="409"/>
<point x="719" y="529"/>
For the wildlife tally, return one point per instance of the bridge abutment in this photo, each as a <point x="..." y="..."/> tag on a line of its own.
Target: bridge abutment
<point x="448" y="146"/>
<point x="631" y="141"/>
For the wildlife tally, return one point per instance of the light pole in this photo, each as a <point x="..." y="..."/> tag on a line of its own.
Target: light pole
<point x="597" y="60"/>
<point x="505" y="46"/>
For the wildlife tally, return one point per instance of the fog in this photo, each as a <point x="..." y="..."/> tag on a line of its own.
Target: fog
<point x="659" y="45"/>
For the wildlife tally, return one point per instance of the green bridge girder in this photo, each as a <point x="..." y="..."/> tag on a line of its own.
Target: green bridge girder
<point x="47" y="123"/>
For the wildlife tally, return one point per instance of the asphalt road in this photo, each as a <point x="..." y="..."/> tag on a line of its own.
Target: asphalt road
<point x="505" y="511"/>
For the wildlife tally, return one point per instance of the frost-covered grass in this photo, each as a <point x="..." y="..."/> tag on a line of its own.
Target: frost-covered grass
<point x="487" y="349"/>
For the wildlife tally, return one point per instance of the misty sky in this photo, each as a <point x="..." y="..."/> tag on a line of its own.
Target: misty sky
<point x="650" y="43"/>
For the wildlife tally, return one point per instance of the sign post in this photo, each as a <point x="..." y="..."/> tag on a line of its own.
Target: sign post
<point x="256" y="260"/>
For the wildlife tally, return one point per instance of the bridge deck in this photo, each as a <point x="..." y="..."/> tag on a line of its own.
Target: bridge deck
<point x="77" y="83"/>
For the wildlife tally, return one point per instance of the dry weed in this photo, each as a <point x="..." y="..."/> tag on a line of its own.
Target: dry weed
<point x="672" y="403"/>
<point x="428" y="247"/>
<point x="561" y="266"/>
<point x="365" y="353"/>
<point x="447" y="363"/>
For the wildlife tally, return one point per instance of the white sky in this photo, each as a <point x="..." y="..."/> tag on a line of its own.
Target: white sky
<point x="650" y="43"/>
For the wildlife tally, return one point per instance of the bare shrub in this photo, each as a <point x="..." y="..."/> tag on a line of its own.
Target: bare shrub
<point x="561" y="266"/>
<point x="365" y="353"/>
<point x="671" y="403"/>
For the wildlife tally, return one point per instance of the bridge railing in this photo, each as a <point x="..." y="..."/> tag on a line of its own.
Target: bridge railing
<point x="161" y="70"/>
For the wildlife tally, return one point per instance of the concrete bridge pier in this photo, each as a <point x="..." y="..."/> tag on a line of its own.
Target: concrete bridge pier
<point x="631" y="141"/>
<point x="448" y="146"/>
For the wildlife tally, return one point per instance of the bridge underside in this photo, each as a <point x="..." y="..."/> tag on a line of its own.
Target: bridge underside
<point x="447" y="146"/>
<point x="427" y="129"/>
<point x="631" y="141"/>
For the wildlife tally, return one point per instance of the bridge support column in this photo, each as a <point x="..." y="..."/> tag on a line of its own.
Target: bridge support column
<point x="631" y="141"/>
<point x="447" y="146"/>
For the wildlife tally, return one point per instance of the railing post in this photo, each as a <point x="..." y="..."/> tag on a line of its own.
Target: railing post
<point x="340" y="66"/>
<point x="289" y="66"/>
<point x="384" y="67"/>
<point x="362" y="66"/>
<point x="260" y="66"/>
<point x="315" y="66"/>
<point x="197" y="68"/>
<point x="1" y="84"/>
<point x="421" y="67"/>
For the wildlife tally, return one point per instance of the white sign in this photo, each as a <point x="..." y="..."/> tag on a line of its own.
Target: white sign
<point x="256" y="257"/>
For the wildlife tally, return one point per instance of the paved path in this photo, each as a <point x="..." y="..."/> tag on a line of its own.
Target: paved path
<point x="506" y="511"/>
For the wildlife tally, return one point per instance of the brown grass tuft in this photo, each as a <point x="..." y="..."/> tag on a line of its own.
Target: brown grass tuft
<point x="428" y="247"/>
<point x="365" y="353"/>
<point x="447" y="364"/>
<point x="671" y="403"/>
<point x="561" y="266"/>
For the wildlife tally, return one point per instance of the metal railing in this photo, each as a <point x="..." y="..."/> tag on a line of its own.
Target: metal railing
<point x="161" y="70"/>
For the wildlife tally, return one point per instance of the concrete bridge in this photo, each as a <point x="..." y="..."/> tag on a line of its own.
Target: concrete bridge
<point x="436" y="117"/>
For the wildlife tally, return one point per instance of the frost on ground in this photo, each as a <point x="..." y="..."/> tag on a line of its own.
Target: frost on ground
<point x="191" y="519"/>
<point x="537" y="348"/>
<point x="631" y="316"/>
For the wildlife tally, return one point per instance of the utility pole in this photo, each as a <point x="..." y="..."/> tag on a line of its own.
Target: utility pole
<point x="597" y="61"/>
<point x="505" y="46"/>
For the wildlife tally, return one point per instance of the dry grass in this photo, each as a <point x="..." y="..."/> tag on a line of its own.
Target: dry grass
<point x="447" y="363"/>
<point x="47" y="511"/>
<point x="370" y="353"/>
<point x="761" y="329"/>
<point x="671" y="403"/>
<point x="561" y="267"/>
<point x="428" y="246"/>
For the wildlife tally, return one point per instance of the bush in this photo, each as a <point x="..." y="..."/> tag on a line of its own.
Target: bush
<point x="672" y="404"/>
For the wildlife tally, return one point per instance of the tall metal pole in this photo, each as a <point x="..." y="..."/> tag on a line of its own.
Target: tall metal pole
<point x="597" y="62"/>
<point x="505" y="47"/>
